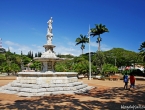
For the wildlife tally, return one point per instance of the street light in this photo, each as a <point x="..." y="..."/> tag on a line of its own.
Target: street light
<point x="115" y="64"/>
<point x="89" y="55"/>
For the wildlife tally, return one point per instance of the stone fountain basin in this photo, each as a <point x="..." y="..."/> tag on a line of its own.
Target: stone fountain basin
<point x="48" y="74"/>
<point x="45" y="83"/>
<point x="47" y="77"/>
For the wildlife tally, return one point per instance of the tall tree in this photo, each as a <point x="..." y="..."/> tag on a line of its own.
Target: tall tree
<point x="99" y="29"/>
<point x="36" y="55"/>
<point x="82" y="40"/>
<point x="28" y="55"/>
<point x="8" y="49"/>
<point x="99" y="60"/>
<point x="2" y="59"/>
<point x="21" y="53"/>
<point x="142" y="50"/>
<point x="32" y="55"/>
<point x="14" y="68"/>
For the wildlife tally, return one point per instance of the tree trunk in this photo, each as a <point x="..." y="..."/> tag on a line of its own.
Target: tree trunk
<point x="82" y="51"/>
<point x="99" y="40"/>
<point x="99" y="46"/>
<point x="8" y="73"/>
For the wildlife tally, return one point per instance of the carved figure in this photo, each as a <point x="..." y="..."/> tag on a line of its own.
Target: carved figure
<point x="49" y="31"/>
<point x="50" y="25"/>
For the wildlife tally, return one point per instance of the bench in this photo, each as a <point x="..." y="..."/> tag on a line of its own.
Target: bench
<point x="80" y="76"/>
<point x="114" y="78"/>
<point x="96" y="77"/>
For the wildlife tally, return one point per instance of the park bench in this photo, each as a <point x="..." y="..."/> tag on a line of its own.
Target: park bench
<point x="114" y="78"/>
<point x="96" y="77"/>
<point x="80" y="76"/>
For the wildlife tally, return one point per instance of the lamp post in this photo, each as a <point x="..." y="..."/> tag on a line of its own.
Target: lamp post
<point x="89" y="55"/>
<point x="21" y="64"/>
<point x="133" y="62"/>
<point x="115" y="64"/>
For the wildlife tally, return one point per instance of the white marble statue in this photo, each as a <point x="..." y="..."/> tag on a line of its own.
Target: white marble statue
<point x="49" y="39"/>
<point x="50" y="25"/>
<point x="49" y="31"/>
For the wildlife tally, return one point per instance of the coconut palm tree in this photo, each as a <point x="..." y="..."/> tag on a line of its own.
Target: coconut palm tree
<point x="99" y="29"/>
<point x="142" y="50"/>
<point x="82" y="40"/>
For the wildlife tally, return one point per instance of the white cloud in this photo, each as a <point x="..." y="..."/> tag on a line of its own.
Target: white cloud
<point x="60" y="49"/>
<point x="104" y="47"/>
<point x="67" y="48"/>
<point x="17" y="48"/>
<point x="11" y="43"/>
<point x="71" y="43"/>
<point x="93" y="44"/>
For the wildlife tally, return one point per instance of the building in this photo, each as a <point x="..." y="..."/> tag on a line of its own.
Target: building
<point x="2" y="50"/>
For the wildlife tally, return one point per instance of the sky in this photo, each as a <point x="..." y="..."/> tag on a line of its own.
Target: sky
<point x="23" y="24"/>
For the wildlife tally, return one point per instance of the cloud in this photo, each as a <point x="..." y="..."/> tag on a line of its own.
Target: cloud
<point x="68" y="48"/>
<point x="71" y="43"/>
<point x="104" y="47"/>
<point x="63" y="48"/>
<point x="60" y="49"/>
<point x="93" y="44"/>
<point x="11" y="43"/>
<point x="17" y="48"/>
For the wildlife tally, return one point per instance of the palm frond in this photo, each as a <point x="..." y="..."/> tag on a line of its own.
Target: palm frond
<point x="82" y="40"/>
<point x="99" y="29"/>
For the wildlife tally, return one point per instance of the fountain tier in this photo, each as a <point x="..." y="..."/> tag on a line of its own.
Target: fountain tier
<point x="47" y="83"/>
<point x="48" y="58"/>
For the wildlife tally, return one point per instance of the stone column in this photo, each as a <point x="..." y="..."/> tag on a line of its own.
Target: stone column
<point x="45" y="65"/>
<point x="49" y="65"/>
<point x="53" y="66"/>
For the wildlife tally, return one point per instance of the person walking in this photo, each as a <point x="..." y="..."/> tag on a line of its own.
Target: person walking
<point x="125" y="79"/>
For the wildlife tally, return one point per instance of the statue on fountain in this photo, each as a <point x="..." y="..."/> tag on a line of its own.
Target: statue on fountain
<point x="49" y="31"/>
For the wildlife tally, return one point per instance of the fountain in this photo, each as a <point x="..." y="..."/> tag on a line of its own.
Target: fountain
<point x="47" y="81"/>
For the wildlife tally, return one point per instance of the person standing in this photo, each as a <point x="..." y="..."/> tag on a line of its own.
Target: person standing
<point x="132" y="80"/>
<point x="125" y="79"/>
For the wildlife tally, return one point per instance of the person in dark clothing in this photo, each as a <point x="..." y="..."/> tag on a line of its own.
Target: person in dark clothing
<point x="125" y="79"/>
<point x="132" y="80"/>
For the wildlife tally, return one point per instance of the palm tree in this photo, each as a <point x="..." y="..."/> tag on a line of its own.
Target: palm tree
<point x="99" y="29"/>
<point x="142" y="50"/>
<point x="82" y="40"/>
